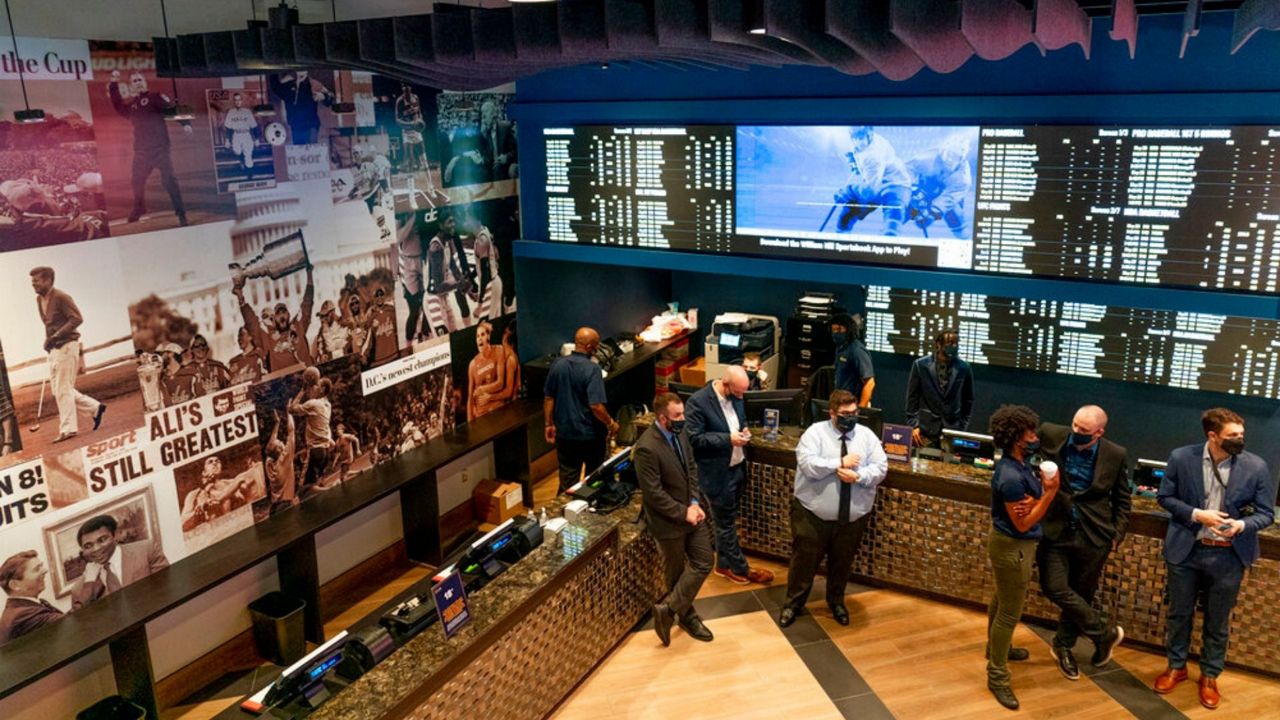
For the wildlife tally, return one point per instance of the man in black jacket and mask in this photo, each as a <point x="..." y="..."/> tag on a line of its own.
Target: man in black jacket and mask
<point x="939" y="391"/>
<point x="1084" y="524"/>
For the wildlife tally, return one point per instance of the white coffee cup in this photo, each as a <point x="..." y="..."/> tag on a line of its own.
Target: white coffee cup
<point x="1048" y="468"/>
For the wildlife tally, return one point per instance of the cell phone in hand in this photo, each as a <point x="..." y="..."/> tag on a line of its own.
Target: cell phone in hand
<point x="1225" y="527"/>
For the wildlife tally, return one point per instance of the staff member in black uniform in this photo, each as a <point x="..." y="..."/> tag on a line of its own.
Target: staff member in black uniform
<point x="674" y="515"/>
<point x="1085" y="522"/>
<point x="1015" y="528"/>
<point x="939" y="391"/>
<point x="577" y="421"/>
<point x="854" y="371"/>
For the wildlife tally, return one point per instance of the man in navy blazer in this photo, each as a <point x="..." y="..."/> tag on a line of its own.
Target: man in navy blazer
<point x="1218" y="497"/>
<point x="939" y="391"/>
<point x="718" y="432"/>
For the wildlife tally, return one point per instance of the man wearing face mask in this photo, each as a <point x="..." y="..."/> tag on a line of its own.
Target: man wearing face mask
<point x="853" y="369"/>
<point x="939" y="391"/>
<point x="573" y="408"/>
<point x="719" y="435"/>
<point x="1086" y="520"/>
<point x="1218" y="497"/>
<point x="674" y="515"/>
<point x="757" y="378"/>
<point x="839" y="464"/>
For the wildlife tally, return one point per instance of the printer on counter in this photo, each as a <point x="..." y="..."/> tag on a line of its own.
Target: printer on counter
<point x="735" y="334"/>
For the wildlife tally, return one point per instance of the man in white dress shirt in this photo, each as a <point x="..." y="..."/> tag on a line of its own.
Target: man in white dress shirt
<point x="839" y="464"/>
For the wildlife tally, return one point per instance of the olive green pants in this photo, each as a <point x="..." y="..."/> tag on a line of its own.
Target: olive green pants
<point x="1011" y="565"/>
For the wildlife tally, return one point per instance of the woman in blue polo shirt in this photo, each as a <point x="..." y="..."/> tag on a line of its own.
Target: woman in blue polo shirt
<point x="1020" y="497"/>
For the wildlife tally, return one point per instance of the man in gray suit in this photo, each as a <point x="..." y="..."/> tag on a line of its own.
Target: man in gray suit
<point x="107" y="570"/>
<point x="674" y="513"/>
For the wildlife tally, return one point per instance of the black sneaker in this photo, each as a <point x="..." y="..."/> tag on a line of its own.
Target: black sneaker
<point x="1107" y="645"/>
<point x="1004" y="696"/>
<point x="1067" y="663"/>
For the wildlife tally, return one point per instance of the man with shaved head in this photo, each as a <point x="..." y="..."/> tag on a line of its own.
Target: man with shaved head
<point x="573" y="406"/>
<point x="1085" y="522"/>
<point x="718" y="433"/>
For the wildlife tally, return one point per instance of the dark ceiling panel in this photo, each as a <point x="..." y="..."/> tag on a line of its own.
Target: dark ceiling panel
<point x="864" y="26"/>
<point x="995" y="29"/>
<point x="1124" y="24"/>
<point x="1254" y="15"/>
<point x="1059" y="23"/>
<point x="727" y="25"/>
<point x="803" y="23"/>
<point x="932" y="31"/>
<point x="536" y="27"/>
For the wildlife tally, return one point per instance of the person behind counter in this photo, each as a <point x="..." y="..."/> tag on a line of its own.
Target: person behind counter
<point x="673" y="512"/>
<point x="719" y="435"/>
<point x="839" y="464"/>
<point x="853" y="369"/>
<point x="939" y="391"/>
<point x="757" y="377"/>
<point x="1084" y="523"/>
<point x="1219" y="497"/>
<point x="577" y="421"/>
<point x="1015" y="528"/>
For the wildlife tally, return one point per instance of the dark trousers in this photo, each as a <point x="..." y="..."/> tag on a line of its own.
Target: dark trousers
<point x="1069" y="572"/>
<point x="686" y="562"/>
<point x="724" y="512"/>
<point x="1217" y="572"/>
<point x="143" y="164"/>
<point x="814" y="539"/>
<point x="317" y="463"/>
<point x="573" y="454"/>
<point x="414" y="301"/>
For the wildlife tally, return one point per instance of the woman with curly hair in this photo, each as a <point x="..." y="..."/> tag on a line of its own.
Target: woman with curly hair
<point x="1020" y="497"/>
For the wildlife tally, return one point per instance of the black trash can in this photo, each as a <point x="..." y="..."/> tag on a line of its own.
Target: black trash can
<point x="278" y="627"/>
<point x="112" y="708"/>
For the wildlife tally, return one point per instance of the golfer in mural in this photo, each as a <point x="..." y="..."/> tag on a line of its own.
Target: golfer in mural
<point x="145" y="109"/>
<point x="61" y="319"/>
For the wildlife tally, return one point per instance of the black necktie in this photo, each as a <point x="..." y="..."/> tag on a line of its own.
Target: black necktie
<point x="675" y="443"/>
<point x="846" y="489"/>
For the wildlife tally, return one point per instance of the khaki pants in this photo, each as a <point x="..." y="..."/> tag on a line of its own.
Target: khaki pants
<point x="1011" y="565"/>
<point x="64" y="366"/>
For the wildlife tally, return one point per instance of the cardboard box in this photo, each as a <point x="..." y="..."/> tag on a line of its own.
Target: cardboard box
<point x="496" y="502"/>
<point x="677" y="351"/>
<point x="695" y="373"/>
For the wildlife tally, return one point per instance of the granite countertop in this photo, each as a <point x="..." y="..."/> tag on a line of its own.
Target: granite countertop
<point x="408" y="668"/>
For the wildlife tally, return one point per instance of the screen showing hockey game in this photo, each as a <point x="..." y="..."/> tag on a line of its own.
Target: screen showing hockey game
<point x="901" y="195"/>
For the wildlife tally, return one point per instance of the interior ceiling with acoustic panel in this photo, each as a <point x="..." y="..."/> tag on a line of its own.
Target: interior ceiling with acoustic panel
<point x="476" y="45"/>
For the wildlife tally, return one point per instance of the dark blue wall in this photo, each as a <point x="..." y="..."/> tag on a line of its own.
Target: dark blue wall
<point x="1209" y="86"/>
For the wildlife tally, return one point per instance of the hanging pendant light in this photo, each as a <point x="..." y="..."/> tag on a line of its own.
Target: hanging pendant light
<point x="28" y="114"/>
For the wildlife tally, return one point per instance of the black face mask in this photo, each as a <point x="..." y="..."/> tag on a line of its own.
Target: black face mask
<point x="846" y="423"/>
<point x="1031" y="448"/>
<point x="675" y="426"/>
<point x="839" y="338"/>
<point x="1232" y="446"/>
<point x="751" y="375"/>
<point x="950" y="352"/>
<point x="1080" y="439"/>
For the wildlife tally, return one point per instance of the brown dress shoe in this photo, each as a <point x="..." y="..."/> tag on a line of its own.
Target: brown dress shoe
<point x="761" y="576"/>
<point x="732" y="576"/>
<point x="1169" y="679"/>
<point x="1209" y="696"/>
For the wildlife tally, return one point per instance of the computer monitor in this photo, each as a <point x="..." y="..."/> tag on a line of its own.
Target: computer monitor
<point x="1148" y="473"/>
<point x="789" y="403"/>
<point x="969" y="445"/>
<point x="683" y="390"/>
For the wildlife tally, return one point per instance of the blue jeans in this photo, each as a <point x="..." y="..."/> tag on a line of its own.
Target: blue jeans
<point x="724" y="514"/>
<point x="1217" y="572"/>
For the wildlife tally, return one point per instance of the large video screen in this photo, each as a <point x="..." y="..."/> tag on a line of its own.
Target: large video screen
<point x="1177" y="207"/>
<point x="900" y="195"/>
<point x="1198" y="351"/>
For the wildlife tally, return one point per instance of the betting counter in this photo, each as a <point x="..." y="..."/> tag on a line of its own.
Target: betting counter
<point x="928" y="534"/>
<point x="535" y="632"/>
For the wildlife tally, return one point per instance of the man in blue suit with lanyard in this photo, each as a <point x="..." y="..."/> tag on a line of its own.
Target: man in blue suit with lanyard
<point x="1218" y="497"/>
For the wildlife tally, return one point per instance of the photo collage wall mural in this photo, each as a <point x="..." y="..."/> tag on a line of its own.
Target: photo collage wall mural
<point x="209" y="321"/>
